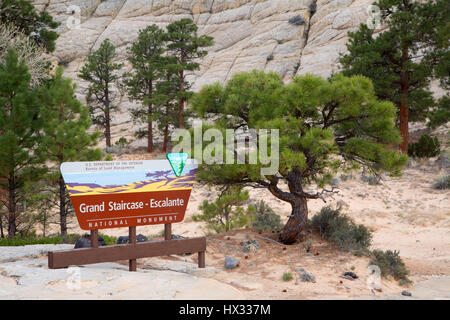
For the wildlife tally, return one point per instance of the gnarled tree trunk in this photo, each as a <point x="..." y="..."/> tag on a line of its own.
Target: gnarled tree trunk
<point x="296" y="222"/>
<point x="298" y="201"/>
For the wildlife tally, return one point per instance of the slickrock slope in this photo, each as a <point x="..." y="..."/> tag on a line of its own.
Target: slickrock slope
<point x="249" y="34"/>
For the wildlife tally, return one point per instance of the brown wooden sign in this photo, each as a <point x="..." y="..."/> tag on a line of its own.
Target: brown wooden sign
<point x="114" y="194"/>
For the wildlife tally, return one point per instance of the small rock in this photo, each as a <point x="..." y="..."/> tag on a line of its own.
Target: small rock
<point x="85" y="242"/>
<point x="250" y="246"/>
<point x="231" y="263"/>
<point x="406" y="293"/>
<point x="350" y="275"/>
<point x="176" y="236"/>
<point x="124" y="239"/>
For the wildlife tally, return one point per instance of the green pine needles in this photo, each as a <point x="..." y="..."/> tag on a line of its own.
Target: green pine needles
<point x="324" y="126"/>
<point x="403" y="59"/>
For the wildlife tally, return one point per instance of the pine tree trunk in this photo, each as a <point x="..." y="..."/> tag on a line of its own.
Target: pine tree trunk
<point x="296" y="222"/>
<point x="166" y="133"/>
<point x="150" y="132"/>
<point x="1" y="228"/>
<point x="182" y="101"/>
<point x="11" y="207"/>
<point x="107" y="127"/>
<point x="299" y="214"/>
<point x="62" y="207"/>
<point x="404" y="82"/>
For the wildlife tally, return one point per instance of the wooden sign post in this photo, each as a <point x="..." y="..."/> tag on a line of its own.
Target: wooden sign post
<point x="114" y="194"/>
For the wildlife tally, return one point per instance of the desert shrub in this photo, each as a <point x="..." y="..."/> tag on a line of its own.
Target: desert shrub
<point x="32" y="238"/>
<point x="122" y="142"/>
<point x="109" y="240"/>
<point x="371" y="179"/>
<point x="265" y="219"/>
<point x="444" y="159"/>
<point x="287" y="276"/>
<point x="227" y="211"/>
<point x="121" y="146"/>
<point x="340" y="229"/>
<point x="308" y="245"/>
<point x="23" y="241"/>
<point x="390" y="264"/>
<point x="426" y="147"/>
<point x="442" y="182"/>
<point x="297" y="20"/>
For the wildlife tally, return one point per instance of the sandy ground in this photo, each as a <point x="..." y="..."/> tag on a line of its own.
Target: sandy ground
<point x="404" y="213"/>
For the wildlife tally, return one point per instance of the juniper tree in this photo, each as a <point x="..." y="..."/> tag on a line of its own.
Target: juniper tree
<point x="19" y="137"/>
<point x="24" y="17"/>
<point x="185" y="46"/>
<point x="101" y="73"/>
<point x="145" y="57"/>
<point x="65" y="137"/>
<point x="401" y="60"/>
<point x="324" y="126"/>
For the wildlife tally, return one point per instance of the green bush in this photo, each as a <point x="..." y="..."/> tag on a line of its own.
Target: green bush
<point x="265" y="219"/>
<point x="340" y="229"/>
<point x="426" y="147"/>
<point x="33" y="239"/>
<point x="442" y="182"/>
<point x="227" y="211"/>
<point x="287" y="276"/>
<point x="22" y="241"/>
<point x="109" y="240"/>
<point x="390" y="264"/>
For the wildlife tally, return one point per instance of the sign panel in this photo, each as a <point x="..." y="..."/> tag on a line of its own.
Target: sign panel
<point x="114" y="194"/>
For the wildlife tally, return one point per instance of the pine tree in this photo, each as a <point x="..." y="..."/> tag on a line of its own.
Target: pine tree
<point x="400" y="61"/>
<point x="145" y="57"/>
<point x="100" y="72"/>
<point x="324" y="126"/>
<point x="226" y="212"/>
<point x="65" y="136"/>
<point x="165" y="100"/>
<point x="19" y="136"/>
<point x="185" y="46"/>
<point x="24" y="17"/>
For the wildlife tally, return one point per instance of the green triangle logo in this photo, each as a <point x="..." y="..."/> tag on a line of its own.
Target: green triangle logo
<point x="177" y="162"/>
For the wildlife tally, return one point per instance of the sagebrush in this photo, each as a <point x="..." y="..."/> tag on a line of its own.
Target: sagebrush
<point x="340" y="229"/>
<point x="390" y="264"/>
<point x="265" y="219"/>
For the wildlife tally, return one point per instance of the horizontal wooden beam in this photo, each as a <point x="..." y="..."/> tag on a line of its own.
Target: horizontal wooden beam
<point x="65" y="258"/>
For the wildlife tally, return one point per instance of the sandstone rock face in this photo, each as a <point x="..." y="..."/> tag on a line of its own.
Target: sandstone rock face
<point x="327" y="35"/>
<point x="249" y="34"/>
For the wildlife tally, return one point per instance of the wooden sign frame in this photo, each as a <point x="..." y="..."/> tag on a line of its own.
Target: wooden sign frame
<point x="131" y="251"/>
